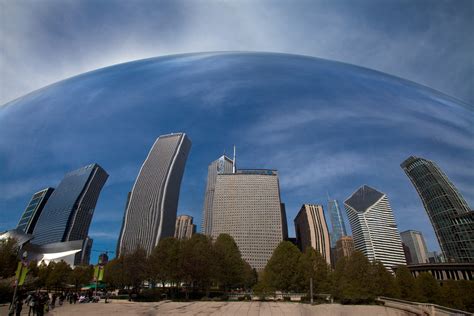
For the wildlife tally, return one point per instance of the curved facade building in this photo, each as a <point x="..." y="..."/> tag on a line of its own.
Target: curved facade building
<point x="151" y="211"/>
<point x="68" y="213"/>
<point x="449" y="213"/>
<point x="374" y="229"/>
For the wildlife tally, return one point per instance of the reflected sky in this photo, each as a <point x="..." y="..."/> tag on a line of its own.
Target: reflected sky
<point x="327" y="127"/>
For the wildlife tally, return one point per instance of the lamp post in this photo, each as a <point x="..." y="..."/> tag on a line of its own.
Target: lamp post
<point x="17" y="282"/>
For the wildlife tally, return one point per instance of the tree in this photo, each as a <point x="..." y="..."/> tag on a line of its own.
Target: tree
<point x="114" y="273"/>
<point x="429" y="288"/>
<point x="337" y="279"/>
<point x="8" y="257"/>
<point x="313" y="265"/>
<point x="166" y="261"/>
<point x="198" y="261"/>
<point x="383" y="282"/>
<point x="281" y="271"/>
<point x="229" y="265"/>
<point x="135" y="267"/>
<point x="81" y="275"/>
<point x="356" y="280"/>
<point x="406" y="284"/>
<point x="250" y="276"/>
<point x="58" y="275"/>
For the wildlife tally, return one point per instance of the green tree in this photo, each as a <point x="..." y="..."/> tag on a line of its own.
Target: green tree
<point x="281" y="271"/>
<point x="198" y="261"/>
<point x="135" y="267"/>
<point x="429" y="288"/>
<point x="337" y="278"/>
<point x="356" y="280"/>
<point x="58" y="275"/>
<point x="114" y="273"/>
<point x="406" y="284"/>
<point x="8" y="257"/>
<point x="229" y="266"/>
<point x="250" y="276"/>
<point x="313" y="265"/>
<point x="383" y="282"/>
<point x="166" y="261"/>
<point x="81" y="275"/>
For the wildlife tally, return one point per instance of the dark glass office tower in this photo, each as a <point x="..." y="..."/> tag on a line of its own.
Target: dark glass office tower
<point x="68" y="213"/>
<point x="151" y="212"/>
<point x="337" y="222"/>
<point x="451" y="217"/>
<point x="33" y="210"/>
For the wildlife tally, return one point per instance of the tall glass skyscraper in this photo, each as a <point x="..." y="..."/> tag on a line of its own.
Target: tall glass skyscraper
<point x="33" y="210"/>
<point x="449" y="213"/>
<point x="68" y="213"/>
<point x="374" y="229"/>
<point x="337" y="222"/>
<point x="151" y="212"/>
<point x="219" y="166"/>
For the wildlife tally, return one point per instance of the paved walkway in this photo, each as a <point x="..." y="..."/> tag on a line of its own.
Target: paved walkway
<point x="125" y="308"/>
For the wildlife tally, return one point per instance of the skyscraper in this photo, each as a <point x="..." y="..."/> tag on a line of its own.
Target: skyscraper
<point x="68" y="213"/>
<point x="184" y="227"/>
<point x="151" y="212"/>
<point x="451" y="217"/>
<point x="416" y="243"/>
<point x="312" y="230"/>
<point x="33" y="210"/>
<point x="374" y="229"/>
<point x="344" y="247"/>
<point x="219" y="166"/>
<point x="337" y="222"/>
<point x="247" y="206"/>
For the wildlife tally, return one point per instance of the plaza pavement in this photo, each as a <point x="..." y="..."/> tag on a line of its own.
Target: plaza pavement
<point x="125" y="308"/>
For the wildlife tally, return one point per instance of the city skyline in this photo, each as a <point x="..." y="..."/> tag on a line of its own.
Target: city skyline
<point x="263" y="130"/>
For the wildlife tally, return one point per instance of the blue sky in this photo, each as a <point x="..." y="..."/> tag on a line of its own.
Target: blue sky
<point x="428" y="42"/>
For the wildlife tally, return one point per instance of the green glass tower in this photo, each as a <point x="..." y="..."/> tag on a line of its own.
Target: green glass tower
<point x="450" y="215"/>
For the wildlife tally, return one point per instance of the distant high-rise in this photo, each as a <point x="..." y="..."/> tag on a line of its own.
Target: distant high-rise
<point x="184" y="227"/>
<point x="219" y="166"/>
<point x="68" y="213"/>
<point x="312" y="230"/>
<point x="374" y="229"/>
<point x="33" y="210"/>
<point x="344" y="247"/>
<point x="337" y="222"/>
<point x="450" y="215"/>
<point x="416" y="243"/>
<point x="247" y="206"/>
<point x="151" y="212"/>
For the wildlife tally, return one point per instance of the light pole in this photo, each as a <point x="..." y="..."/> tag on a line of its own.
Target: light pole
<point x="17" y="282"/>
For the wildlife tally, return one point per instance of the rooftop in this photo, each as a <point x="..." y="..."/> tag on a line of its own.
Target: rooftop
<point x="363" y="198"/>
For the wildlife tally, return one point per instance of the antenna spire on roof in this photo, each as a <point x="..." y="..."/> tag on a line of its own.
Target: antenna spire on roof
<point x="233" y="162"/>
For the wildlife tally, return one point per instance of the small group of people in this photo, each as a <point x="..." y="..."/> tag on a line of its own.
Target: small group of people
<point x="37" y="303"/>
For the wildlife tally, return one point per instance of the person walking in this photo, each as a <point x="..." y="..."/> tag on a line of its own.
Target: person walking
<point x="53" y="301"/>
<point x="18" y="305"/>
<point x="31" y="301"/>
